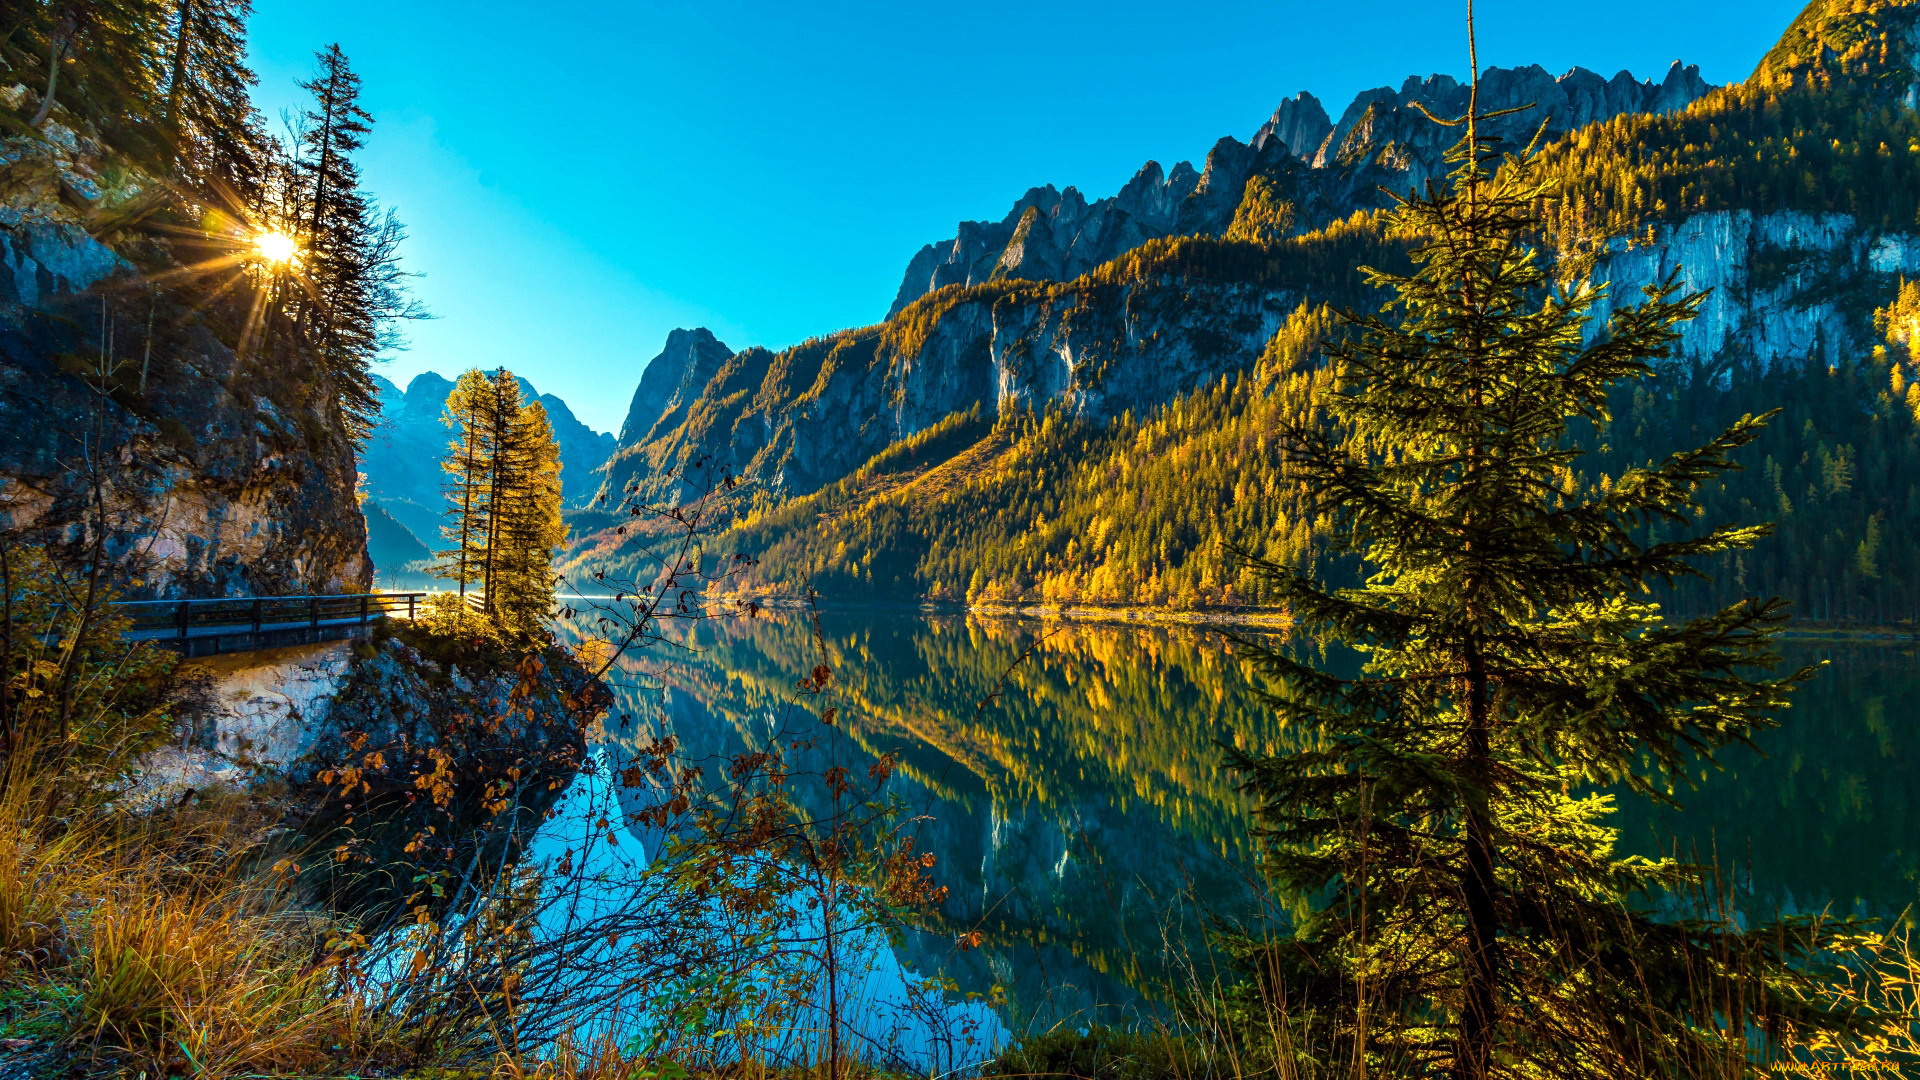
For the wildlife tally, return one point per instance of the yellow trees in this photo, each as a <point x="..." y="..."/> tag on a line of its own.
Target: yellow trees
<point x="527" y="525"/>
<point x="503" y="499"/>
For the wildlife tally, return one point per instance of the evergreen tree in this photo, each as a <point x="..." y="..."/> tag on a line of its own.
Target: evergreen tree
<point x="339" y="235"/>
<point x="218" y="144"/>
<point x="1463" y="910"/>
<point x="94" y="58"/>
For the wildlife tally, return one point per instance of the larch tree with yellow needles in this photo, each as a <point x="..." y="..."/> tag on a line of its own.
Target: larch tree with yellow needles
<point x="503" y="499"/>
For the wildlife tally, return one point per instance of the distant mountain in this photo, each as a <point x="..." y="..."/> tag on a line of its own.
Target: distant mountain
<point x="393" y="547"/>
<point x="401" y="461"/>
<point x="1324" y="170"/>
<point x="1075" y="403"/>
<point x="1095" y="308"/>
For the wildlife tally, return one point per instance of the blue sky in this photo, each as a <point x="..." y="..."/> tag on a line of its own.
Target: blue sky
<point x="581" y="178"/>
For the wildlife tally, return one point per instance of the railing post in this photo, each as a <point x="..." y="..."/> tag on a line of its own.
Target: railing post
<point x="181" y="616"/>
<point x="313" y="612"/>
<point x="410" y="599"/>
<point x="363" y="609"/>
<point x="256" y="614"/>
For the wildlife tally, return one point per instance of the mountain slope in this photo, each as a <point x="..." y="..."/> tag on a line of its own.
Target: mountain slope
<point x="1120" y="442"/>
<point x="392" y="546"/>
<point x="1093" y="308"/>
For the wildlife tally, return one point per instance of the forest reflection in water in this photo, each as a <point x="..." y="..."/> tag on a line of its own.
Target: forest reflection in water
<point x="1077" y="800"/>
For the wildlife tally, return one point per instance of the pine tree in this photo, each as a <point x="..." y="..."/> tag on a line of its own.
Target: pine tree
<point x="339" y="235"/>
<point x="505" y="469"/>
<point x="92" y="57"/>
<point x="530" y="529"/>
<point x="466" y="466"/>
<point x="1462" y="909"/>
<point x="218" y="144"/>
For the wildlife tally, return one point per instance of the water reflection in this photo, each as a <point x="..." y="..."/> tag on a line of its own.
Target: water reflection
<point x="1078" y="805"/>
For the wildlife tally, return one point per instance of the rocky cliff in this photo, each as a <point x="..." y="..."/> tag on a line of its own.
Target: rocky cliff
<point x="1095" y="308"/>
<point x="217" y="474"/>
<point x="1787" y="199"/>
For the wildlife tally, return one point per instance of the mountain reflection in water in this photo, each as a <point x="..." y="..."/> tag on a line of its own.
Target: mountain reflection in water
<point x="1083" y="819"/>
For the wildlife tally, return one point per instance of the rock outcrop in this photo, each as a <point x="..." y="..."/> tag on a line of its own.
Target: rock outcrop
<point x="672" y="380"/>
<point x="1785" y="289"/>
<point x="670" y="384"/>
<point x="214" y="477"/>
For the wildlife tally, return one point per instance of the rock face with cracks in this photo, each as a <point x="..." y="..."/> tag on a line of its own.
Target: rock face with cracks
<point x="128" y="417"/>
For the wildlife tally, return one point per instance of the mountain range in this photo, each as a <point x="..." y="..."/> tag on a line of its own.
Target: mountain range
<point x="995" y="437"/>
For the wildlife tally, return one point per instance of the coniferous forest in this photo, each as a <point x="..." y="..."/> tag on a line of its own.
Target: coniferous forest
<point x="1427" y="592"/>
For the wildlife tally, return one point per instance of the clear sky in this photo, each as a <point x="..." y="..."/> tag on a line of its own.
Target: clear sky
<point x="580" y="178"/>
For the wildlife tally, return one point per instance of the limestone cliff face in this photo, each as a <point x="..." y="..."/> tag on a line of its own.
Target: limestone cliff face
<point x="670" y="385"/>
<point x="672" y="380"/>
<point x="1095" y="308"/>
<point x="1783" y="289"/>
<point x="1326" y="169"/>
<point x="1035" y="315"/>
<point x="217" y="479"/>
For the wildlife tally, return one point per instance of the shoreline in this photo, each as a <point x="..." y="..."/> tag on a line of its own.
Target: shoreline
<point x="1261" y="618"/>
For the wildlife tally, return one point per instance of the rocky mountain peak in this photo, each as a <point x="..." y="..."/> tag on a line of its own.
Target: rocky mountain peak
<point x="685" y="363"/>
<point x="426" y="396"/>
<point x="1301" y="123"/>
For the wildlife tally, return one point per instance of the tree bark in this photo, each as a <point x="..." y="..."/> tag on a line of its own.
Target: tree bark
<point x="54" y="52"/>
<point x="1480" y="1005"/>
<point x="177" y="78"/>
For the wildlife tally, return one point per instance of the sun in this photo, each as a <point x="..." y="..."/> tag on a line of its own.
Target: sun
<point x="276" y="247"/>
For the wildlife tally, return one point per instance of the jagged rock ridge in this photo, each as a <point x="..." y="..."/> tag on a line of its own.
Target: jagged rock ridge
<point x="800" y="418"/>
<point x="1327" y="169"/>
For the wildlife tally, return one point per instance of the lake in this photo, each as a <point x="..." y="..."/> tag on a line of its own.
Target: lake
<point x="1070" y="783"/>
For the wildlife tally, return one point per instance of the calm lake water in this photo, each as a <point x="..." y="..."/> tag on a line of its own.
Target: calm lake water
<point x="1084" y="822"/>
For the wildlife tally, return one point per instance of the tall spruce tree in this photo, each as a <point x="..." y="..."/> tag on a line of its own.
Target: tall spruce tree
<point x="340" y="235"/>
<point x="1462" y="909"/>
<point x="217" y="141"/>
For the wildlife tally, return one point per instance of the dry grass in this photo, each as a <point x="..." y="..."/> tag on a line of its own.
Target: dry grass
<point x="176" y="945"/>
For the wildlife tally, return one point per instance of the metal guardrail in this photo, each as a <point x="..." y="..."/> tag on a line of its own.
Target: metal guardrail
<point x="184" y="620"/>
